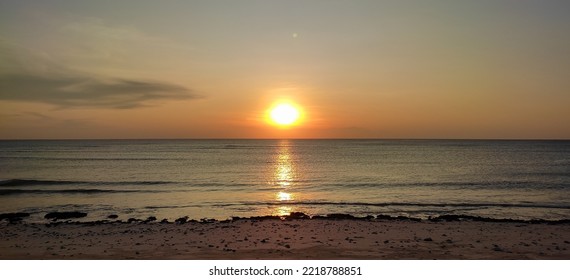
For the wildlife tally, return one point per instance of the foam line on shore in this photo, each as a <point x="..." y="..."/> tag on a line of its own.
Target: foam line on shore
<point x="18" y="217"/>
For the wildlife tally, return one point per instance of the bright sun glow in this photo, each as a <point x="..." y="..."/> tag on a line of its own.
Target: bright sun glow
<point x="284" y="114"/>
<point x="283" y="196"/>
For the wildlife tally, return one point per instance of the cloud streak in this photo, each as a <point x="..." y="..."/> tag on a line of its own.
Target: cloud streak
<point x="29" y="77"/>
<point x="88" y="92"/>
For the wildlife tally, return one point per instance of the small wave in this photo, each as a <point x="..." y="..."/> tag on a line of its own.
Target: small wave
<point x="387" y="204"/>
<point x="89" y="159"/>
<point x="217" y="184"/>
<point x="492" y="184"/>
<point x="22" y="182"/>
<point x="73" y="191"/>
<point x="234" y="146"/>
<point x="442" y="206"/>
<point x="26" y="182"/>
<point x="177" y="206"/>
<point x="545" y="174"/>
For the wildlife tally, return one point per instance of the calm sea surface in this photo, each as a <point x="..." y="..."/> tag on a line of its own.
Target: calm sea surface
<point x="224" y="178"/>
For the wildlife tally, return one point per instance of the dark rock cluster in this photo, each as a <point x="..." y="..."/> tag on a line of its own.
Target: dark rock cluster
<point x="14" y="217"/>
<point x="65" y="215"/>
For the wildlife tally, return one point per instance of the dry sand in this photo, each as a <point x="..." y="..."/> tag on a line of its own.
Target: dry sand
<point x="288" y="239"/>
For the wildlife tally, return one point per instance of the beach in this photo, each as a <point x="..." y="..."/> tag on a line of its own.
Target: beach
<point x="393" y="199"/>
<point x="282" y="238"/>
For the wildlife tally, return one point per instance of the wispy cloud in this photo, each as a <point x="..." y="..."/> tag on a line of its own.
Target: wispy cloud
<point x="27" y="77"/>
<point x="87" y="92"/>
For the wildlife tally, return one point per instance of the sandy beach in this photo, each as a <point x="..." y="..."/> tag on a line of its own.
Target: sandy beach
<point x="287" y="239"/>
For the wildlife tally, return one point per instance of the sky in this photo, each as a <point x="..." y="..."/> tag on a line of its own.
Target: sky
<point x="486" y="69"/>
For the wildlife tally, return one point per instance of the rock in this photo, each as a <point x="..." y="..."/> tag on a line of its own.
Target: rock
<point x="341" y="216"/>
<point x="558" y="222"/>
<point x="13" y="217"/>
<point x="181" y="220"/>
<point x="428" y="239"/>
<point x="133" y="220"/>
<point x="384" y="217"/>
<point x="113" y="216"/>
<point x="404" y="218"/>
<point x="65" y="215"/>
<point x="497" y="248"/>
<point x="150" y="219"/>
<point x="297" y="215"/>
<point x="398" y="218"/>
<point x="261" y="218"/>
<point x="164" y="221"/>
<point x="453" y="218"/>
<point x="318" y="217"/>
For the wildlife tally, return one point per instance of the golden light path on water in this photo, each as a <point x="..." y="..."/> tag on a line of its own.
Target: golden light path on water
<point x="284" y="176"/>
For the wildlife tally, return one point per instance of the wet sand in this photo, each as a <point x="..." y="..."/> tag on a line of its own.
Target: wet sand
<point x="287" y="239"/>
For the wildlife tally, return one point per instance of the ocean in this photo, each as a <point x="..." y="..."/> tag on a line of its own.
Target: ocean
<point x="228" y="178"/>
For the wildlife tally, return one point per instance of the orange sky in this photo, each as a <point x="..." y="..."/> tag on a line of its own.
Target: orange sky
<point x="363" y="69"/>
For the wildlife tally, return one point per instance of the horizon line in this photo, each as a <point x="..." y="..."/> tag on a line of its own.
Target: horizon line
<point x="233" y="138"/>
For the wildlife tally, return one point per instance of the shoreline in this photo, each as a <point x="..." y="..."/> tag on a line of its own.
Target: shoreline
<point x="297" y="236"/>
<point x="72" y="216"/>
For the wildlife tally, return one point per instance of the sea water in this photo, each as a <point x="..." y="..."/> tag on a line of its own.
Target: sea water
<point x="226" y="178"/>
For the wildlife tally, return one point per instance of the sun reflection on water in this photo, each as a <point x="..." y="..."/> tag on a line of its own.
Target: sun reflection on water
<point x="282" y="211"/>
<point x="283" y="196"/>
<point x="284" y="169"/>
<point x="284" y="176"/>
<point x="284" y="172"/>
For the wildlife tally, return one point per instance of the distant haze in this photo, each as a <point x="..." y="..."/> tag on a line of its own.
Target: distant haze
<point x="212" y="69"/>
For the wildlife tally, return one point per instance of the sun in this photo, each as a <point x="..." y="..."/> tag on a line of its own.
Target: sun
<point x="284" y="114"/>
